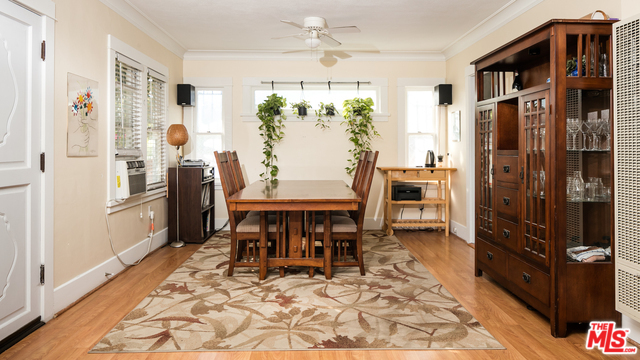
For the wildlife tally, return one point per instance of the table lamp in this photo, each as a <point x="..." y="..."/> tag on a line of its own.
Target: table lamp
<point x="177" y="136"/>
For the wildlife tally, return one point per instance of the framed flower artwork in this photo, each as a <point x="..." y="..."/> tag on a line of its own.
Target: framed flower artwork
<point x="82" y="116"/>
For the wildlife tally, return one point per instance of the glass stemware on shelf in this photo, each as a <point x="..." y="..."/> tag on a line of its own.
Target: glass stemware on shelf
<point x="605" y="131"/>
<point x="594" y="125"/>
<point x="573" y="127"/>
<point x="591" y="191"/>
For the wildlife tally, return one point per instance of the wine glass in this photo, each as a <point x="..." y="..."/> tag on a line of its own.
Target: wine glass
<point x="573" y="126"/>
<point x="595" y="141"/>
<point x="606" y="132"/>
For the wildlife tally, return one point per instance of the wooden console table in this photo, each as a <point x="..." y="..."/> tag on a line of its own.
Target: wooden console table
<point x="438" y="175"/>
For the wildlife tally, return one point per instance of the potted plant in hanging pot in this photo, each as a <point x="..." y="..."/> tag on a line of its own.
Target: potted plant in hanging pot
<point x="271" y="131"/>
<point x="324" y="114"/>
<point x="357" y="117"/>
<point x="300" y="109"/>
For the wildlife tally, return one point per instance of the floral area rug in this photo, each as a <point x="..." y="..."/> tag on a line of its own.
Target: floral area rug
<point x="398" y="304"/>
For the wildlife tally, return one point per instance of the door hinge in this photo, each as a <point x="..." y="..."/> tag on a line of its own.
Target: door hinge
<point x="41" y="274"/>
<point x="43" y="50"/>
<point x="42" y="162"/>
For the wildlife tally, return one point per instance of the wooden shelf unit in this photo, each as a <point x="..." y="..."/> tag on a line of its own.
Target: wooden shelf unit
<point x="439" y="175"/>
<point x="197" y="205"/>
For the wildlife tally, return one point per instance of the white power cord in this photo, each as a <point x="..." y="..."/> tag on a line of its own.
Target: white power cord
<point x="106" y="216"/>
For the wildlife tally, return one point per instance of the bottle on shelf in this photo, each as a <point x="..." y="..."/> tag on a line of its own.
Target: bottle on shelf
<point x="517" y="82"/>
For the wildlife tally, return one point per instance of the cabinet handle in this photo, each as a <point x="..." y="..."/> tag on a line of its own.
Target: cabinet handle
<point x="489" y="255"/>
<point x="506" y="168"/>
<point x="493" y="170"/>
<point x="506" y="200"/>
<point x="506" y="233"/>
<point x="522" y="173"/>
<point x="526" y="277"/>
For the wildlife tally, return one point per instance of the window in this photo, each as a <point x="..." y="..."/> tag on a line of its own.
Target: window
<point x="208" y="125"/>
<point x="256" y="90"/>
<point x="156" y="113"/>
<point x="422" y="132"/>
<point x="130" y="116"/>
<point x="137" y="115"/>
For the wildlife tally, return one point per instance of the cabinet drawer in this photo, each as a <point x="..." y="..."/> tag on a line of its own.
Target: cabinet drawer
<point x="507" y="169"/>
<point x="529" y="279"/>
<point x="507" y="203"/>
<point x="420" y="174"/>
<point x="491" y="256"/>
<point x="507" y="233"/>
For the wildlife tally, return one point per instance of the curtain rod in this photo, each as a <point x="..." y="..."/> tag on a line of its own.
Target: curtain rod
<point x="315" y="82"/>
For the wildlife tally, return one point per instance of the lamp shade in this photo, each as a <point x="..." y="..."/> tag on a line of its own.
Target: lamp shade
<point x="177" y="135"/>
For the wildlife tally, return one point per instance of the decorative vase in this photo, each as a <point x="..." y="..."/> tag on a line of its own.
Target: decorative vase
<point x="517" y="82"/>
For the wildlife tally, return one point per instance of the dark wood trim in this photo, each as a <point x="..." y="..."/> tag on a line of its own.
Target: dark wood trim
<point x="22" y="333"/>
<point x="515" y="95"/>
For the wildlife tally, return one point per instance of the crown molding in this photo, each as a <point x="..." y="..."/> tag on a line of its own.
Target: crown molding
<point x="267" y="55"/>
<point x="146" y="25"/>
<point x="502" y="16"/>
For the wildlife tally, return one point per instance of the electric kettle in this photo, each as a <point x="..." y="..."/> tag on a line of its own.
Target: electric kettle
<point x="430" y="161"/>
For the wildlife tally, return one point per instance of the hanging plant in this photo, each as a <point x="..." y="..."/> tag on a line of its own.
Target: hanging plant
<point x="324" y="114"/>
<point x="271" y="130"/>
<point x="300" y="109"/>
<point x="357" y="117"/>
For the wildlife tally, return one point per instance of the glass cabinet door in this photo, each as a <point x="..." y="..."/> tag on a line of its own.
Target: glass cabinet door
<point x="535" y="114"/>
<point x="588" y="176"/>
<point x="484" y="169"/>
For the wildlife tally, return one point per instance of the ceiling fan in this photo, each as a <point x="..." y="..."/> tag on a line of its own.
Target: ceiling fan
<point x="315" y="31"/>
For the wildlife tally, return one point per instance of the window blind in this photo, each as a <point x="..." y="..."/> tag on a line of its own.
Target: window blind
<point x="156" y="113"/>
<point x="128" y="107"/>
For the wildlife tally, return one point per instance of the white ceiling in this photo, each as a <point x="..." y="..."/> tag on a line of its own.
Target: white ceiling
<point x="386" y="25"/>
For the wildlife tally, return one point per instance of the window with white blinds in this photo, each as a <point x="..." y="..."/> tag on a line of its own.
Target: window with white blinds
<point x="422" y="132"/>
<point x="140" y="113"/>
<point x="208" y="129"/>
<point x="156" y="113"/>
<point x="128" y="106"/>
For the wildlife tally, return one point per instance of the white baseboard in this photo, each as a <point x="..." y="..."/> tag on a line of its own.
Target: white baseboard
<point x="634" y="326"/>
<point x="460" y="231"/>
<point x="67" y="293"/>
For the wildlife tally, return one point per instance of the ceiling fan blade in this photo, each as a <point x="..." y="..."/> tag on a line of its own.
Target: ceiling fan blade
<point x="344" y="29"/>
<point x="288" y="36"/>
<point x="339" y="54"/>
<point x="293" y="24"/>
<point x="329" y="40"/>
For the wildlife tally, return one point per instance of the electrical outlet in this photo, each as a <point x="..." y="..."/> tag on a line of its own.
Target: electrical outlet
<point x="140" y="214"/>
<point x="455" y="230"/>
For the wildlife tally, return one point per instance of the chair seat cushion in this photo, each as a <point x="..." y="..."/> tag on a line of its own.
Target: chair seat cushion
<point x="253" y="213"/>
<point x="341" y="213"/>
<point x="251" y="224"/>
<point x="339" y="224"/>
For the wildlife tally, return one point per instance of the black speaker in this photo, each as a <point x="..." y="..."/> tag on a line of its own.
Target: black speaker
<point x="442" y="94"/>
<point x="186" y="95"/>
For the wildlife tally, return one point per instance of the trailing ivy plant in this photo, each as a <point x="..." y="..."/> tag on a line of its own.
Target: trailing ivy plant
<point x="297" y="106"/>
<point x="271" y="130"/>
<point x="324" y="114"/>
<point x="357" y="117"/>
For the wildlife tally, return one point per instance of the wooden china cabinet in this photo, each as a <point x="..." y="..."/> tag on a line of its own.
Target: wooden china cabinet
<point x="544" y="170"/>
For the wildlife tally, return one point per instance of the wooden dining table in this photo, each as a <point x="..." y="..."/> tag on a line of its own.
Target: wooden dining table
<point x="295" y="197"/>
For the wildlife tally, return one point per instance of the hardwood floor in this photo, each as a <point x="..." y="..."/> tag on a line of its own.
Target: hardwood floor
<point x="524" y="333"/>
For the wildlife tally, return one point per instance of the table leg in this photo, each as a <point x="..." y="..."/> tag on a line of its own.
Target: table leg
<point x="439" y="207"/>
<point x="447" y="194"/>
<point x="282" y="240"/>
<point x="311" y="240"/>
<point x="387" y="198"/>
<point x="263" y="244"/>
<point x="389" y="207"/>
<point x="328" y="242"/>
<point x="295" y="234"/>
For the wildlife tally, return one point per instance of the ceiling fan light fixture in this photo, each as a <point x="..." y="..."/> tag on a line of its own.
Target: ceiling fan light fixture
<point x="312" y="42"/>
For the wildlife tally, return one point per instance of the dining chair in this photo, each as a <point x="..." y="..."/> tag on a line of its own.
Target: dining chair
<point x="347" y="230"/>
<point x="244" y="228"/>
<point x="357" y="180"/>
<point x="239" y="177"/>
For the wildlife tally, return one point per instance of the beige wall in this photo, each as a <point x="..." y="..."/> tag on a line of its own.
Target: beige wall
<point x="80" y="231"/>
<point x="549" y="9"/>
<point x="307" y="152"/>
<point x="629" y="8"/>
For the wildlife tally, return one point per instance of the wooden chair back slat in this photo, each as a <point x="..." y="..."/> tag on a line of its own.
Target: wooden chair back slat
<point x="237" y="169"/>
<point x="228" y="184"/>
<point x="367" y="179"/>
<point x="357" y="177"/>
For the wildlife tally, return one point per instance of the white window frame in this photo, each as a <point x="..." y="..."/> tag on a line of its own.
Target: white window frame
<point x="251" y="84"/>
<point x="117" y="46"/>
<point x="225" y="84"/>
<point x="404" y="85"/>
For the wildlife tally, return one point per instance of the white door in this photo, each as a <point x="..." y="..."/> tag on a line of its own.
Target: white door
<point x="20" y="175"/>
